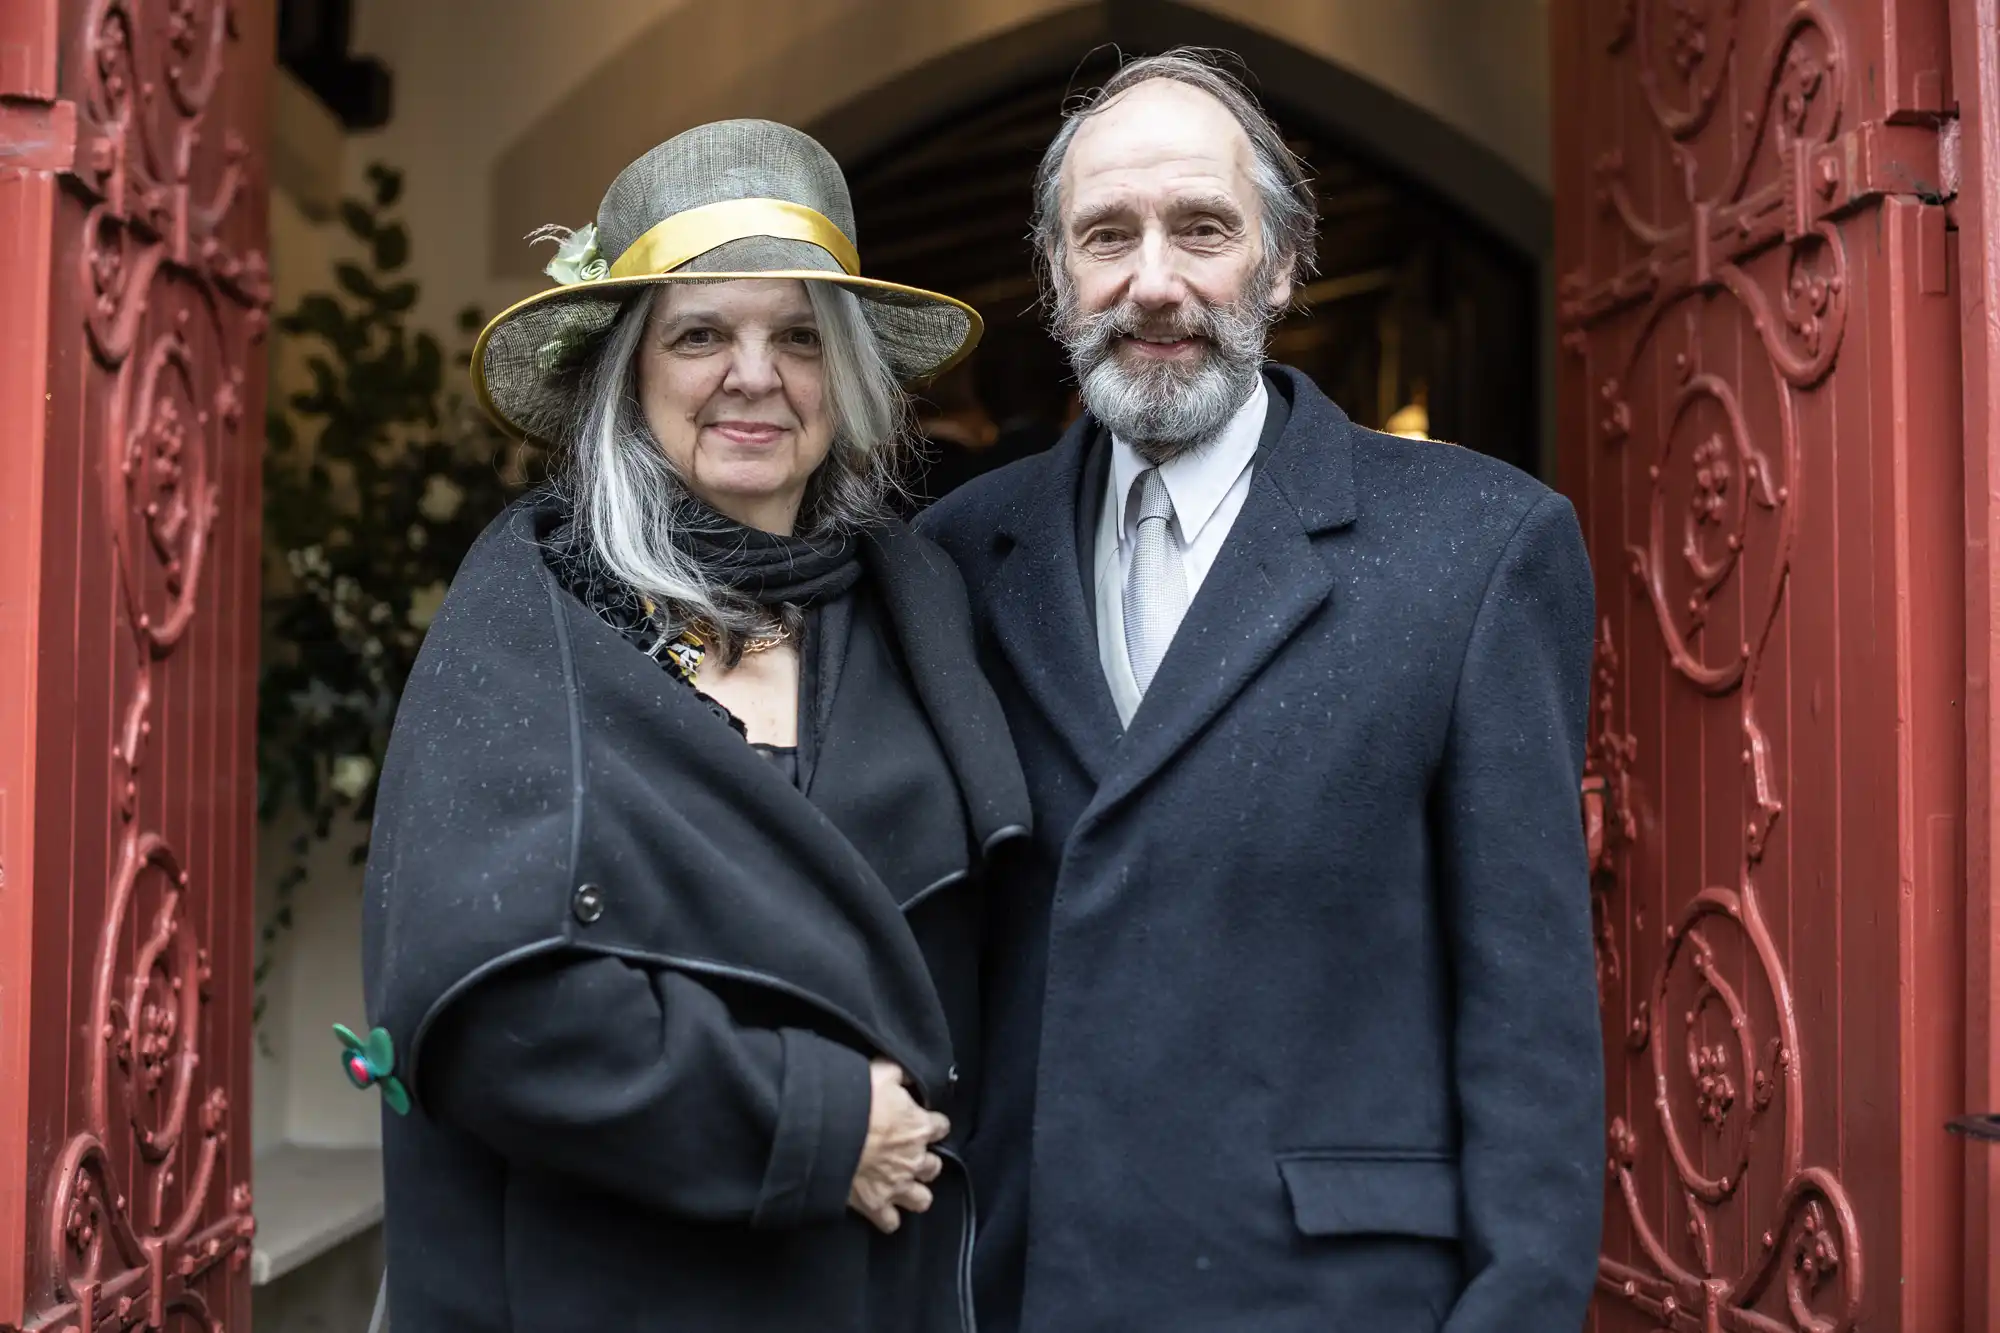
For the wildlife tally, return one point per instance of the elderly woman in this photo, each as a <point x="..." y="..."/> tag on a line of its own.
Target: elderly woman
<point x="673" y="912"/>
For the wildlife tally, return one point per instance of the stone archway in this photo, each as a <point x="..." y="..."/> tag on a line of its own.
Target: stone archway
<point x="1362" y="113"/>
<point x="860" y="71"/>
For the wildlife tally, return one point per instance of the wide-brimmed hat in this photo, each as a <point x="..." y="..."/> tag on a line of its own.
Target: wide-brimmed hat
<point x="731" y="199"/>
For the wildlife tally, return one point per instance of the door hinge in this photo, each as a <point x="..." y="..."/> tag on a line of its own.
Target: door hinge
<point x="1874" y="160"/>
<point x="37" y="135"/>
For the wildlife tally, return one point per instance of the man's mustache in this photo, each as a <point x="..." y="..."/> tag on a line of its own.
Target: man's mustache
<point x="1095" y="333"/>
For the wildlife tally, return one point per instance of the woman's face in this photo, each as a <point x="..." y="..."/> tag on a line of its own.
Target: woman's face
<point x="733" y="384"/>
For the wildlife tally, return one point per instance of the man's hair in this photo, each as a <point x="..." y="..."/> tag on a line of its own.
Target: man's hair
<point x="1290" y="208"/>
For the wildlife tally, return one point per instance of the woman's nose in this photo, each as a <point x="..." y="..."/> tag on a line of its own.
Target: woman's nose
<point x="753" y="369"/>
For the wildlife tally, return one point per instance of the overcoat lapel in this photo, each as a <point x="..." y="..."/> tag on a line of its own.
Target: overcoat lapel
<point x="1040" y="617"/>
<point x="1269" y="579"/>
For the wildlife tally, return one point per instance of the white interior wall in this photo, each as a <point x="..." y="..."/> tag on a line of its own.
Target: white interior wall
<point x="1480" y="66"/>
<point x="471" y="76"/>
<point x="298" y="1093"/>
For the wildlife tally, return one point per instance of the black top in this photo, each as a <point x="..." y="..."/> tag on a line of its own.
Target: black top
<point x="785" y="758"/>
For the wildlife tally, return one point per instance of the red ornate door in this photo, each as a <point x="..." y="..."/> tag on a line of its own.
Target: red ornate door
<point x="1761" y="425"/>
<point x="133" y="291"/>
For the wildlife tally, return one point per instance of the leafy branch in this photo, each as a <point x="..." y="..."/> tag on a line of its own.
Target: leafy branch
<point x="377" y="479"/>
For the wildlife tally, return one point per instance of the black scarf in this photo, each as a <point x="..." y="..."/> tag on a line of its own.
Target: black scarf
<point x="761" y="567"/>
<point x="764" y="567"/>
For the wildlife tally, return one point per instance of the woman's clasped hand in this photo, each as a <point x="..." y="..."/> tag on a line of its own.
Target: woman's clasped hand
<point x="897" y="1164"/>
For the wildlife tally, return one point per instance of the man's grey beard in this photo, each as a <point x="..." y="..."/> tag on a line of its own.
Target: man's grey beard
<point x="1165" y="409"/>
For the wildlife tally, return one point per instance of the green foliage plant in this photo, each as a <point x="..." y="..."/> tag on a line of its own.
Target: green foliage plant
<point x="378" y="476"/>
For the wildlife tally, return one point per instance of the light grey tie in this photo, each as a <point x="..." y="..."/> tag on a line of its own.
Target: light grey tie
<point x="1155" y="582"/>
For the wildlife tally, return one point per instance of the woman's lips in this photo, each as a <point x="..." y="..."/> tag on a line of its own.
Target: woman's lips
<point x="748" y="432"/>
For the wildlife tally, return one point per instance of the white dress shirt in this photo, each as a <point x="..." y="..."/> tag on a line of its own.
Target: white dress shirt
<point x="1208" y="486"/>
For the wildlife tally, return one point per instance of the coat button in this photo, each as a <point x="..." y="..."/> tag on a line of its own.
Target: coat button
<point x="951" y="1075"/>
<point x="588" y="904"/>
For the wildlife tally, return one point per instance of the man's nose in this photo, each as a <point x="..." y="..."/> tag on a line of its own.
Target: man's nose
<point x="1156" y="280"/>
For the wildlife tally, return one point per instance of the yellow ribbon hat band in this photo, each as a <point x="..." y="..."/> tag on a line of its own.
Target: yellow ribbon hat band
<point x="696" y="231"/>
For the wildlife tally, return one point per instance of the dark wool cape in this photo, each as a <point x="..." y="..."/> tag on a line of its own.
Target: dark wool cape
<point x="551" y="793"/>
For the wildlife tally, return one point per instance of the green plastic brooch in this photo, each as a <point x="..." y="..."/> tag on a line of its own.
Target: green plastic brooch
<point x="372" y="1064"/>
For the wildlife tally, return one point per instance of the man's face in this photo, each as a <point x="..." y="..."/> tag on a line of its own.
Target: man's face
<point x="1164" y="291"/>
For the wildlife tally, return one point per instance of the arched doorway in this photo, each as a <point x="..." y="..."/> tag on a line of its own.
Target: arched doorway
<point x="1422" y="318"/>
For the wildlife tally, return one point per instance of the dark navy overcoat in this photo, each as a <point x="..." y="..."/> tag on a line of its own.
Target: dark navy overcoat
<point x="1293" y="1013"/>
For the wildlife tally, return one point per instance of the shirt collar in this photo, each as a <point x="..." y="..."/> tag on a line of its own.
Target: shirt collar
<point x="1196" y="480"/>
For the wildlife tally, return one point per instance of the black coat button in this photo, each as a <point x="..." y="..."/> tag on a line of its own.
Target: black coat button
<point x="588" y="904"/>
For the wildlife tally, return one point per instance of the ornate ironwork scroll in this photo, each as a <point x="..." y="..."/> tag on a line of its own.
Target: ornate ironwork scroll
<point x="1610" y="823"/>
<point x="140" y="1207"/>
<point x="1724" y="1063"/>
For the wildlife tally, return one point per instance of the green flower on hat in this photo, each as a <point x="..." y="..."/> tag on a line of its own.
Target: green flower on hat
<point x="372" y="1063"/>
<point x="577" y="259"/>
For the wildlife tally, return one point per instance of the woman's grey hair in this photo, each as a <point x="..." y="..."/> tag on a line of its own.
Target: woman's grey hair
<point x="630" y="501"/>
<point x="1290" y="208"/>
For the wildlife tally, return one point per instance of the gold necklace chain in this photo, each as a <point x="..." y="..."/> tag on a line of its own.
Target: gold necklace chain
<point x="696" y="635"/>
<point x="699" y="636"/>
<point x="690" y="646"/>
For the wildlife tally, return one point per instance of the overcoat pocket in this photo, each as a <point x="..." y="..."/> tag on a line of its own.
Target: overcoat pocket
<point x="1337" y="1193"/>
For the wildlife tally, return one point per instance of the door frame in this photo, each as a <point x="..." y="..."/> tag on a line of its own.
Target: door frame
<point x="30" y="114"/>
<point x="1975" y="75"/>
<point x="132" y="256"/>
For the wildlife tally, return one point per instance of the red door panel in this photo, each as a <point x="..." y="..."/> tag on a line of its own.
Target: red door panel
<point x="1760" y="425"/>
<point x="132" y="211"/>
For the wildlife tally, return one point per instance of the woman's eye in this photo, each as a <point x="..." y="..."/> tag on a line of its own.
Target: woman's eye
<point x="806" y="338"/>
<point x="696" y="338"/>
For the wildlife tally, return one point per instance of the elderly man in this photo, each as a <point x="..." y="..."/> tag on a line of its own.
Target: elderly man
<point x="1292" y="1023"/>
